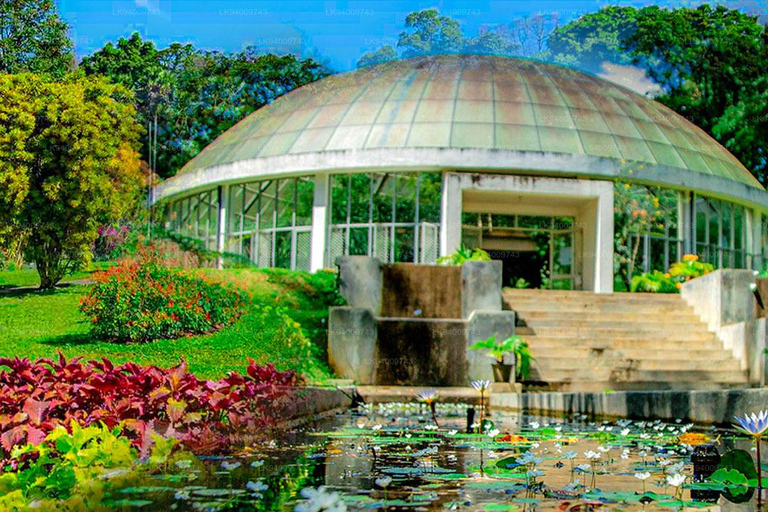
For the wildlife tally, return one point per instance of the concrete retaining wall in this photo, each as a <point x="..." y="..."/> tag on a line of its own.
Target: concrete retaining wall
<point x="716" y="407"/>
<point x="310" y="401"/>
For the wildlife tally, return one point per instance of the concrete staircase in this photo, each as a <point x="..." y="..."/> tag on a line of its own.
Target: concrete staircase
<point x="585" y="341"/>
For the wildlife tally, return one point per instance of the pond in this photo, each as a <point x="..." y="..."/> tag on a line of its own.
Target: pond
<point x="392" y="457"/>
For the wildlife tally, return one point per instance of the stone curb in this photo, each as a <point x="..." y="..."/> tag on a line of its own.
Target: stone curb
<point x="711" y="407"/>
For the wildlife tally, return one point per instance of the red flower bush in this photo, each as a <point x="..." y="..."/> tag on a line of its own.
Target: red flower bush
<point x="145" y="300"/>
<point x="205" y="416"/>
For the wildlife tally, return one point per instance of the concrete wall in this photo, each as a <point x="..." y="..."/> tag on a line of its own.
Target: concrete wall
<point x="589" y="202"/>
<point x="480" y="287"/>
<point x="481" y="326"/>
<point x="352" y="335"/>
<point x="421" y="291"/>
<point x="360" y="282"/>
<point x="723" y="299"/>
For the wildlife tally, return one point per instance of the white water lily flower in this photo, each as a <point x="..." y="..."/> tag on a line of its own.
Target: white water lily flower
<point x="257" y="463"/>
<point x="535" y="472"/>
<point x="676" y="480"/>
<point x="481" y="385"/>
<point x="590" y="455"/>
<point x="229" y="466"/>
<point x="493" y="455"/>
<point x="584" y="467"/>
<point x="625" y="432"/>
<point x="383" y="482"/>
<point x="320" y="500"/>
<point x="257" y="487"/>
<point x="493" y="433"/>
<point x="643" y="476"/>
<point x="376" y="427"/>
<point x="570" y="455"/>
<point x="534" y="425"/>
<point x="181" y="495"/>
<point x="452" y="432"/>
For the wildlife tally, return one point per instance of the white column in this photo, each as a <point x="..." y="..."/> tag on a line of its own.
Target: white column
<point x="319" y="222"/>
<point x="450" y="214"/>
<point x="754" y="223"/>
<point x="221" y="228"/>
<point x="604" y="242"/>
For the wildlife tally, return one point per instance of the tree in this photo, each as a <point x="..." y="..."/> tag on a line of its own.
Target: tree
<point x="428" y="33"/>
<point x="194" y="95"/>
<point x="68" y="163"/>
<point x="595" y="38"/>
<point x="383" y="54"/>
<point x="491" y="43"/>
<point x="708" y="61"/>
<point x="33" y="38"/>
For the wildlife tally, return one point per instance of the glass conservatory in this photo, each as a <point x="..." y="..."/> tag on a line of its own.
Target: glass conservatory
<point x="566" y="178"/>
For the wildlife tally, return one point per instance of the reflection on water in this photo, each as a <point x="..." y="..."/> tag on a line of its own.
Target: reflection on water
<point x="391" y="457"/>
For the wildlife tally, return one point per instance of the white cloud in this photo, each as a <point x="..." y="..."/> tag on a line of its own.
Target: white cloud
<point x="630" y="77"/>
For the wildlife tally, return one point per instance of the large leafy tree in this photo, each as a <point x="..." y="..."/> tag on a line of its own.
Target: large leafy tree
<point x="594" y="38"/>
<point x="33" y="38"/>
<point x="711" y="65"/>
<point x="68" y="163"/>
<point x="383" y="54"/>
<point x="194" y="95"/>
<point x="491" y="43"/>
<point x="427" y="32"/>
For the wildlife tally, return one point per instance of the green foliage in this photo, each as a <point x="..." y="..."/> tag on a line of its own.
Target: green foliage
<point x="594" y="38"/>
<point x="429" y="33"/>
<point x="33" y="38"/>
<point x="383" y="54"/>
<point x="196" y="95"/>
<point x="654" y="282"/>
<point x="514" y="345"/>
<point x="78" y="460"/>
<point x="520" y="283"/>
<point x="60" y="193"/>
<point x="145" y="300"/>
<point x="464" y="254"/>
<point x="679" y="273"/>
<point x="738" y="461"/>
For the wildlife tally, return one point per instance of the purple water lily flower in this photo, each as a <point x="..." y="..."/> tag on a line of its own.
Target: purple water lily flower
<point x="753" y="425"/>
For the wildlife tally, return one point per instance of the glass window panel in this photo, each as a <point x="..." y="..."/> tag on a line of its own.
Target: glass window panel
<point x="517" y="137"/>
<point x="360" y="198"/>
<point x="525" y="221"/>
<point x="305" y="199"/>
<point x="658" y="260"/>
<point x="701" y="220"/>
<point x="650" y="131"/>
<point x="339" y="198"/>
<point x="464" y="135"/>
<point x="279" y="144"/>
<point x="665" y="154"/>
<point x="509" y="112"/>
<point x="560" y="140"/>
<point x="468" y="111"/>
<point x="635" y="149"/>
<point x="725" y="239"/>
<point x="382" y="197"/>
<point x="475" y="90"/>
<point x="430" y="135"/>
<point x="738" y="227"/>
<point x="471" y="219"/>
<point x="285" y="209"/>
<point x="358" y="241"/>
<point x="431" y="184"/>
<point x="621" y="125"/>
<point x="714" y="222"/>
<point x="599" y="144"/>
<point x="553" y="116"/>
<point x="283" y="249"/>
<point x="387" y="135"/>
<point x="405" y="205"/>
<point x="266" y="207"/>
<point x="434" y="111"/>
<point x="348" y="137"/>
<point x="311" y="140"/>
<point x="397" y="112"/>
<point x="404" y="247"/>
<point x="589" y="120"/>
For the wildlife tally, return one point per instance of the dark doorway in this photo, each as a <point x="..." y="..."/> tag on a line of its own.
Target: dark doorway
<point x="520" y="264"/>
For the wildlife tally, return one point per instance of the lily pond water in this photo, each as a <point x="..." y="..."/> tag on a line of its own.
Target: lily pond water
<point x="393" y="457"/>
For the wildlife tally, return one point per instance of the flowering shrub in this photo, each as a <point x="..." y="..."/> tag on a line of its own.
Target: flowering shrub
<point x="204" y="416"/>
<point x="144" y="300"/>
<point x="110" y="239"/>
<point x="672" y="281"/>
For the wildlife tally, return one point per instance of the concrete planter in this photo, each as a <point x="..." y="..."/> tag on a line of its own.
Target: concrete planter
<point x="410" y="324"/>
<point x="503" y="372"/>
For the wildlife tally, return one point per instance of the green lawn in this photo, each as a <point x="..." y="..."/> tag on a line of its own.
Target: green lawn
<point x="38" y="324"/>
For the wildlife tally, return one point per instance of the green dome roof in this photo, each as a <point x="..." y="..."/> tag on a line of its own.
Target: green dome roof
<point x="477" y="102"/>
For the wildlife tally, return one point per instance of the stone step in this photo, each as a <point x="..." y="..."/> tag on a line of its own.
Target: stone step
<point x="660" y="376"/>
<point x="672" y="353"/>
<point x="623" y="324"/>
<point x="548" y="364"/>
<point x="601" y="386"/>
<point x="579" y="296"/>
<point x="567" y="315"/>
<point x="633" y="332"/>
<point x="543" y="342"/>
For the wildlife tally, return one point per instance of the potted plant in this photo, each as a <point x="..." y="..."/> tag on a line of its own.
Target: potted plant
<point x="513" y="345"/>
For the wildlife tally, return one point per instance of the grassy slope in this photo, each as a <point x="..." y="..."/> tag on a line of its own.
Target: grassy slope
<point x="38" y="324"/>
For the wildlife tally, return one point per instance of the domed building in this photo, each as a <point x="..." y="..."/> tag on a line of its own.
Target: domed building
<point x="533" y="162"/>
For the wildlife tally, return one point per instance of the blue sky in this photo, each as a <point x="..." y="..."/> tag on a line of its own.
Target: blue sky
<point x="339" y="31"/>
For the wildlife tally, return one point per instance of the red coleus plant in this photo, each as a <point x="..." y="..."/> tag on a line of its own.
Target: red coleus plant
<point x="206" y="416"/>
